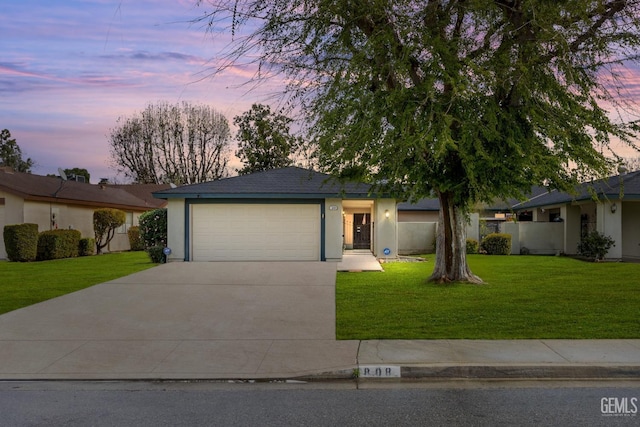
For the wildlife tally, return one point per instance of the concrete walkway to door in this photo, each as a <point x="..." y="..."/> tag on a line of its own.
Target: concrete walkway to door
<point x="182" y="321"/>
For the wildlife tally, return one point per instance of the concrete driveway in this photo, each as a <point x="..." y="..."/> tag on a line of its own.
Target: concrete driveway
<point x="182" y="321"/>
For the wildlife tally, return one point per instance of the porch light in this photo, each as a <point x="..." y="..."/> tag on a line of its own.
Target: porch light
<point x="614" y="208"/>
<point x="386" y="213"/>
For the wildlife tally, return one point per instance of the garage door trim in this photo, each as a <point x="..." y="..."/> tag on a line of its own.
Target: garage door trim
<point x="190" y="202"/>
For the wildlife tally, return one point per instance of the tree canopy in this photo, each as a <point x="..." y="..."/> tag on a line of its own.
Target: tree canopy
<point x="264" y="140"/>
<point x="181" y="144"/>
<point x="11" y="154"/>
<point x="464" y="100"/>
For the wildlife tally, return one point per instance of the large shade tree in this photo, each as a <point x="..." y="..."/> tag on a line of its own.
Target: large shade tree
<point x="178" y="143"/>
<point x="466" y="100"/>
<point x="264" y="139"/>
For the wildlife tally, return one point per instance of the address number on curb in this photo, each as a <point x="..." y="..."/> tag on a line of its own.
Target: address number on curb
<point x="380" y="371"/>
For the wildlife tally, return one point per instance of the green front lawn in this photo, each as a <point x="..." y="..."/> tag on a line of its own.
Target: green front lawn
<point x="525" y="297"/>
<point x="23" y="284"/>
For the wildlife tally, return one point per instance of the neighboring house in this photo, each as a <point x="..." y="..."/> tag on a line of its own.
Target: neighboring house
<point x="53" y="203"/>
<point x="554" y="222"/>
<point x="549" y="222"/>
<point x="282" y="214"/>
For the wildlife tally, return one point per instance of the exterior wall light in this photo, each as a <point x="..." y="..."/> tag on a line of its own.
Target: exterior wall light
<point x="386" y="213"/>
<point x="614" y="208"/>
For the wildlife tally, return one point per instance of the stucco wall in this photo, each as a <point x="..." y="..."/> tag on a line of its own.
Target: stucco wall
<point x="610" y="224"/>
<point x="417" y="216"/>
<point x="541" y="238"/>
<point x="385" y="231"/>
<point x="416" y="237"/>
<point x="176" y="229"/>
<point x="333" y="229"/>
<point x="631" y="227"/>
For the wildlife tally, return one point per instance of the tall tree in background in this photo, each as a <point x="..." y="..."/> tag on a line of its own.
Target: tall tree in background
<point x="264" y="140"/>
<point x="464" y="100"/>
<point x="182" y="144"/>
<point x="11" y="154"/>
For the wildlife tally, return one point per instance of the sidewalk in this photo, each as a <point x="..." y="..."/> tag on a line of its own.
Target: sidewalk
<point x="509" y="359"/>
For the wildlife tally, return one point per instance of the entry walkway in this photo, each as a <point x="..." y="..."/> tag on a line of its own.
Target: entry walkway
<point x="359" y="260"/>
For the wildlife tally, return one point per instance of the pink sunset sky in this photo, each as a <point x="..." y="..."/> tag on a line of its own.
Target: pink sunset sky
<point x="70" y="68"/>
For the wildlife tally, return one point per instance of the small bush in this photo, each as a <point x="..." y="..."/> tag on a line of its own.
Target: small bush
<point x="57" y="244"/>
<point x="135" y="240"/>
<point x="472" y="246"/>
<point x="87" y="246"/>
<point x="153" y="228"/>
<point x="595" y="245"/>
<point x="497" y="244"/>
<point x="156" y="254"/>
<point x="21" y="242"/>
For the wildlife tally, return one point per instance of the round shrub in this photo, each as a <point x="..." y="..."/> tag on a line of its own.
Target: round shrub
<point x="595" y="245"/>
<point x="156" y="254"/>
<point x="135" y="240"/>
<point x="497" y="244"/>
<point x="86" y="246"/>
<point x="472" y="246"/>
<point x="21" y="242"/>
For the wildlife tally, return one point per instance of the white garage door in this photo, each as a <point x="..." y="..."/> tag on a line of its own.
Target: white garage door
<point x="255" y="232"/>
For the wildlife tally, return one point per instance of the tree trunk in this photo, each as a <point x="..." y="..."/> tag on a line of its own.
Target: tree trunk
<point x="451" y="245"/>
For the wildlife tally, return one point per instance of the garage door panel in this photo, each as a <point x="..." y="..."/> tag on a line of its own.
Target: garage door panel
<point x="255" y="232"/>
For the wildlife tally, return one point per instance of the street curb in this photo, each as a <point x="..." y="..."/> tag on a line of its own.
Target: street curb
<point x="519" y="372"/>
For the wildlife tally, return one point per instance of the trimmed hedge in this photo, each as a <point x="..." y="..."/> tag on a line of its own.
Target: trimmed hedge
<point x="497" y="244"/>
<point x="156" y="254"/>
<point x="472" y="246"/>
<point x="87" y="246"/>
<point x="57" y="244"/>
<point x="135" y="240"/>
<point x="21" y="242"/>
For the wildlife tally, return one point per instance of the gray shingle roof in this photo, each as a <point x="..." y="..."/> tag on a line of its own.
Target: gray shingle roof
<point x="627" y="185"/>
<point x="290" y="182"/>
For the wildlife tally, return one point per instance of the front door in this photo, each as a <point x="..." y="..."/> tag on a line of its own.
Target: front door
<point x="362" y="231"/>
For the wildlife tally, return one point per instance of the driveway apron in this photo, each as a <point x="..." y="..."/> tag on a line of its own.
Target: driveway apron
<point x="210" y="320"/>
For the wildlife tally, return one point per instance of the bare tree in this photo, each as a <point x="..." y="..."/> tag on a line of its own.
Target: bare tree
<point x="182" y="144"/>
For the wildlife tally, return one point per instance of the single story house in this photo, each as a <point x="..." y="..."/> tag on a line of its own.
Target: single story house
<point x="288" y="214"/>
<point x="554" y="221"/>
<point x="54" y="203"/>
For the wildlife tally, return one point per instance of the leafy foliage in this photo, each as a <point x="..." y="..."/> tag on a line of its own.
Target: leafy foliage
<point x="472" y="246"/>
<point x="56" y="244"/>
<point x="156" y="254"/>
<point x="135" y="239"/>
<point x="153" y="228"/>
<point x="182" y="144"/>
<point x="595" y="245"/>
<point x="105" y="223"/>
<point x="264" y="140"/>
<point x="21" y="242"/>
<point x="11" y="154"/>
<point x="86" y="246"/>
<point x="496" y="244"/>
